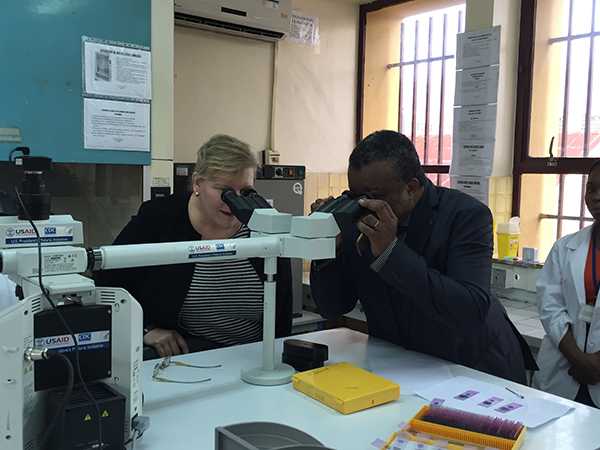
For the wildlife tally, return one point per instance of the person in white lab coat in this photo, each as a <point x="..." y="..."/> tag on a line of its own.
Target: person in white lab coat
<point x="7" y="292"/>
<point x="567" y="292"/>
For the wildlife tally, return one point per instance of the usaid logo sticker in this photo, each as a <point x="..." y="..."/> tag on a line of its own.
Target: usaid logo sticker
<point x="208" y="250"/>
<point x="24" y="232"/>
<point x="54" y="341"/>
<point x="86" y="340"/>
<point x="199" y="248"/>
<point x="26" y="235"/>
<point x="57" y="340"/>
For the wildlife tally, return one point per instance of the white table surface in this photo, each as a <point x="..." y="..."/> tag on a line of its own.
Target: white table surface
<point x="185" y="416"/>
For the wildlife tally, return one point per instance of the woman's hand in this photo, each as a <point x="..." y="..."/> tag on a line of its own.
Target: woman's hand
<point x="166" y="342"/>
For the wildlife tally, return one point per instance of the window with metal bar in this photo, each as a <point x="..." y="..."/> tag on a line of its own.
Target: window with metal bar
<point x="423" y="66"/>
<point x="426" y="84"/>
<point x="558" y="117"/>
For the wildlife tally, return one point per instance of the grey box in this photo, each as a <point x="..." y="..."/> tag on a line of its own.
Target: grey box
<point x="264" y="436"/>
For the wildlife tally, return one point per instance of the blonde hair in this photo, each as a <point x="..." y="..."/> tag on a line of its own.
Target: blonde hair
<point x="223" y="155"/>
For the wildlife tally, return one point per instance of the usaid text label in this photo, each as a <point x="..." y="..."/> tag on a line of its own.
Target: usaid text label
<point x="25" y="234"/>
<point x="87" y="341"/>
<point x="208" y="250"/>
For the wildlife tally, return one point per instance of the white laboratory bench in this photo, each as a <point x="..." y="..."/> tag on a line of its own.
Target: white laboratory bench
<point x="185" y="416"/>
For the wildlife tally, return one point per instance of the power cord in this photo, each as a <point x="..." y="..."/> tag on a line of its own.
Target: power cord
<point x="62" y="319"/>
<point x="140" y="425"/>
<point x="136" y="435"/>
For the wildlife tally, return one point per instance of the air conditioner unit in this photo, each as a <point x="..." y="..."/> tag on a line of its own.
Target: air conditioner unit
<point x="267" y="20"/>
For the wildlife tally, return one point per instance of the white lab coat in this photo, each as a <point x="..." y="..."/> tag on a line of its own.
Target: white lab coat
<point x="7" y="292"/>
<point x="560" y="295"/>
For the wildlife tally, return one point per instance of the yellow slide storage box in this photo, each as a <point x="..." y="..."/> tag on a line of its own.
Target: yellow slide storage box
<point x="345" y="387"/>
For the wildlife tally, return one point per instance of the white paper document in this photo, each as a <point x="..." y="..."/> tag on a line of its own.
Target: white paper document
<point x="304" y="30"/>
<point x="117" y="71"/>
<point x="478" y="187"/>
<point x="478" y="48"/>
<point x="476" y="86"/>
<point x="412" y="371"/>
<point x="475" y="123"/>
<point x="114" y="125"/>
<point x="491" y="400"/>
<point x="473" y="140"/>
<point x="472" y="158"/>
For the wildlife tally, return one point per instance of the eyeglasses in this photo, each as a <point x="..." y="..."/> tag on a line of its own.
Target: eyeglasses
<point x="167" y="361"/>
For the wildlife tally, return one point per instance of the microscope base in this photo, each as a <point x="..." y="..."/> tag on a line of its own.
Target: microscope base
<point x="281" y="374"/>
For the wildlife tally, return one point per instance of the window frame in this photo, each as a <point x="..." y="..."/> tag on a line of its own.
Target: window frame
<point x="442" y="169"/>
<point x="524" y="163"/>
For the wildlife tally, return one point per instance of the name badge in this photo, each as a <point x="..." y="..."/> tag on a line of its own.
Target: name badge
<point x="586" y="313"/>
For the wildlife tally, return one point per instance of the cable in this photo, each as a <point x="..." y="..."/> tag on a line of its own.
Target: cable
<point x="66" y="397"/>
<point x="24" y="150"/>
<point x="135" y="436"/>
<point x="61" y="318"/>
<point x="140" y="425"/>
<point x="132" y="440"/>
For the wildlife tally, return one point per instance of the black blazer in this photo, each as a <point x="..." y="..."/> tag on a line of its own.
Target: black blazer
<point x="433" y="294"/>
<point x="161" y="290"/>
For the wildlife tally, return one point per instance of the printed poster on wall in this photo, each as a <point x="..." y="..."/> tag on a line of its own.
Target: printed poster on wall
<point x="304" y="30"/>
<point x="476" y="86"/>
<point x="116" y="125"/>
<point x="116" y="70"/>
<point x="474" y="140"/>
<point x="478" y="187"/>
<point x="478" y="48"/>
<point x="475" y="123"/>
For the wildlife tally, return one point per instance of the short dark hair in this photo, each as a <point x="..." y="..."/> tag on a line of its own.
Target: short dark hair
<point x="387" y="145"/>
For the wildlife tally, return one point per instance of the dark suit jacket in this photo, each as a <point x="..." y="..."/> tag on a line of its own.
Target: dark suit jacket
<point x="433" y="294"/>
<point x="161" y="290"/>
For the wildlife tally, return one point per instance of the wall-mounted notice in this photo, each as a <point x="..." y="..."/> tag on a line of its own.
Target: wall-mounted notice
<point x="472" y="158"/>
<point x="475" y="96"/>
<point x="474" y="140"/>
<point x="304" y="30"/>
<point x="116" y="70"/>
<point x="476" y="123"/>
<point x="115" y="125"/>
<point x="476" y="86"/>
<point x="478" y="48"/>
<point x="478" y="187"/>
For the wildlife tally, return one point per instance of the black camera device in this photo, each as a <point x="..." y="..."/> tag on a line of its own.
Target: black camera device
<point x="34" y="197"/>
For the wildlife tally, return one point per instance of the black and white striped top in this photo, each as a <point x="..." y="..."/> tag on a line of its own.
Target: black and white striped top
<point x="224" y="302"/>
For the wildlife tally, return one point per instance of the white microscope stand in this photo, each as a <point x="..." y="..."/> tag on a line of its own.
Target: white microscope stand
<point x="274" y="235"/>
